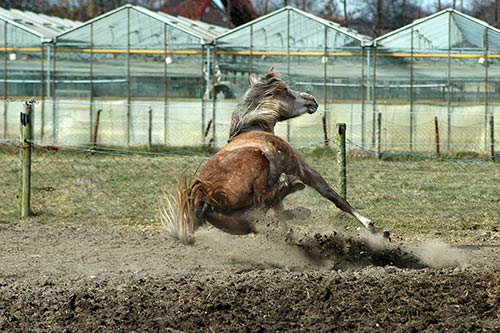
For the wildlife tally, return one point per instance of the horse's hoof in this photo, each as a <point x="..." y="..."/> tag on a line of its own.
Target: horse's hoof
<point x="377" y="231"/>
<point x="292" y="182"/>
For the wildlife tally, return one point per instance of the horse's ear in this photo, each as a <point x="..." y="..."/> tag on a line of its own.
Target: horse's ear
<point x="252" y="80"/>
<point x="271" y="70"/>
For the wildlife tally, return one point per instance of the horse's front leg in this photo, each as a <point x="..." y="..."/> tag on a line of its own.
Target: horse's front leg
<point x="270" y="195"/>
<point x="312" y="178"/>
<point x="270" y="192"/>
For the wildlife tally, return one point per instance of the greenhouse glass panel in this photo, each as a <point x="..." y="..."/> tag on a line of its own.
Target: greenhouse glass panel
<point x="25" y="72"/>
<point x="142" y="68"/>
<point x="449" y="80"/>
<point x="21" y="74"/>
<point x="22" y="61"/>
<point x="494" y="102"/>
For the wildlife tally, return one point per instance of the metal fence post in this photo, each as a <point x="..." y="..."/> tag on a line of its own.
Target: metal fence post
<point x="342" y="160"/>
<point x="26" y="133"/>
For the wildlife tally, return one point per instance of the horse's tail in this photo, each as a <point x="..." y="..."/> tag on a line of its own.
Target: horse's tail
<point x="177" y="210"/>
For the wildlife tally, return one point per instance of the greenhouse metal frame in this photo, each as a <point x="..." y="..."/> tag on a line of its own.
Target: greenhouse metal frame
<point x="445" y="66"/>
<point x="24" y="43"/>
<point x="133" y="61"/>
<point x="134" y="77"/>
<point x="314" y="54"/>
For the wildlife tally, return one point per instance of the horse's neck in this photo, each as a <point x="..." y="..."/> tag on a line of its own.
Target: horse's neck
<point x="250" y="128"/>
<point x="259" y="127"/>
<point x="262" y="119"/>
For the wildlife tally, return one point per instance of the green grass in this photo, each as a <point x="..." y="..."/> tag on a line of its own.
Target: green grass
<point x="414" y="197"/>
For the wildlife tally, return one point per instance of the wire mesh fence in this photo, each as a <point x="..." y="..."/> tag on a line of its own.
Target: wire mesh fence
<point x="9" y="179"/>
<point x="78" y="183"/>
<point x="87" y="185"/>
<point x="180" y="123"/>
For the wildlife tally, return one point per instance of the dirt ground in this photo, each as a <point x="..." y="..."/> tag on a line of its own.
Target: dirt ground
<point x="81" y="278"/>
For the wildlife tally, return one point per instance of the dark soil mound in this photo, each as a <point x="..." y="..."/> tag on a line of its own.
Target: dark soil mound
<point x="357" y="251"/>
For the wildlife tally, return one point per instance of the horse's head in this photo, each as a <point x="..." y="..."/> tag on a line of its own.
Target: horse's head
<point x="267" y="101"/>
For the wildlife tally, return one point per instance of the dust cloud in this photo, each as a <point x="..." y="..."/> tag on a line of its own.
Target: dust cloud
<point x="263" y="249"/>
<point x="433" y="253"/>
<point x="437" y="254"/>
<point x="278" y="246"/>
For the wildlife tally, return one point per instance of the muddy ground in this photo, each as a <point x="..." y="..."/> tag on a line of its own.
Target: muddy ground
<point x="121" y="279"/>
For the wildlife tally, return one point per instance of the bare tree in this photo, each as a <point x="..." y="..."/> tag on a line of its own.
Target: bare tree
<point x="346" y="21"/>
<point x="330" y="11"/>
<point x="486" y="10"/>
<point x="377" y="17"/>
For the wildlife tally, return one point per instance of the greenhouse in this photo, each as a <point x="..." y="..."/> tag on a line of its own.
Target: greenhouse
<point x="25" y="47"/>
<point x="124" y="73"/>
<point x="135" y="77"/>
<point x="313" y="54"/>
<point x="437" y="85"/>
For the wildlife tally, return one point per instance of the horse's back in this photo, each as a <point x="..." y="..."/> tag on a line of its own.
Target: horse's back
<point x="281" y="156"/>
<point x="248" y="164"/>
<point x="251" y="161"/>
<point x="229" y="178"/>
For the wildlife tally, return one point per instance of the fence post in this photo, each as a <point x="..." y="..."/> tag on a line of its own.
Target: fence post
<point x="325" y="131"/>
<point x="342" y="160"/>
<point x="25" y="138"/>
<point x="492" y="137"/>
<point x="379" y="135"/>
<point x="96" y="129"/>
<point x="436" y="136"/>
<point x="150" y="128"/>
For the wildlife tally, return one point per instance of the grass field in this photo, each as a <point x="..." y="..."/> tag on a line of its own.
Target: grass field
<point x="411" y="197"/>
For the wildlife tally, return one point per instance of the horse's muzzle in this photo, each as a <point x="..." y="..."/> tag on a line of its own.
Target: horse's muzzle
<point x="312" y="104"/>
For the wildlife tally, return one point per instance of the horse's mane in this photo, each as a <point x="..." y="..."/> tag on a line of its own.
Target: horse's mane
<point x="258" y="108"/>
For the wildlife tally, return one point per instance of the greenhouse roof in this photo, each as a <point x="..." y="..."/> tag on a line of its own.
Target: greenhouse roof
<point x="448" y="28"/>
<point x="43" y="26"/>
<point x="300" y="28"/>
<point x="204" y="31"/>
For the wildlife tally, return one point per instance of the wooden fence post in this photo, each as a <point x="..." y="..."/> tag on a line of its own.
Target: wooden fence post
<point x="379" y="135"/>
<point x="96" y="129"/>
<point x="436" y="136"/>
<point x="150" y="128"/>
<point x="25" y="138"/>
<point x="325" y="131"/>
<point x="342" y="160"/>
<point x="492" y="137"/>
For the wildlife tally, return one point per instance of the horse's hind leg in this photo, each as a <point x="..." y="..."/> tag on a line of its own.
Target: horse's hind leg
<point x="240" y="222"/>
<point x="236" y="222"/>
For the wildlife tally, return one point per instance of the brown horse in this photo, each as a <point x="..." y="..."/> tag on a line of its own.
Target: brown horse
<point x="257" y="169"/>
